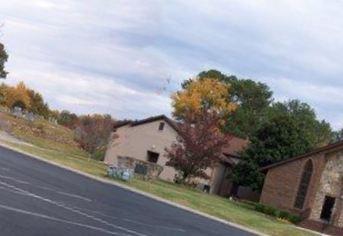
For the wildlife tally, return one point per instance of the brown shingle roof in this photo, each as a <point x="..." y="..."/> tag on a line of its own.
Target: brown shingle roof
<point x="235" y="146"/>
<point x="172" y="123"/>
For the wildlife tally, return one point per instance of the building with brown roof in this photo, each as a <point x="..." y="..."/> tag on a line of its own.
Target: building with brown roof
<point x="145" y="140"/>
<point x="310" y="186"/>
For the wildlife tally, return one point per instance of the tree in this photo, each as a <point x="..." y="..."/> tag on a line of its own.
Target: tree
<point x="3" y="60"/>
<point x="3" y="94"/>
<point x="316" y="132"/>
<point x="38" y="106"/>
<point x="289" y="129"/>
<point x="92" y="133"/>
<point x="18" y="97"/>
<point x="337" y="136"/>
<point x="67" y="119"/>
<point x="199" y="96"/>
<point x="24" y="97"/>
<point x="253" y="99"/>
<point x="199" y="146"/>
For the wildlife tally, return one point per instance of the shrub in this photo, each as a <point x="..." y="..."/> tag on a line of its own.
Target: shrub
<point x="284" y="215"/>
<point x="277" y="213"/>
<point x="268" y="210"/>
<point x="92" y="131"/>
<point x="294" y="219"/>
<point x="99" y="154"/>
<point x="259" y="207"/>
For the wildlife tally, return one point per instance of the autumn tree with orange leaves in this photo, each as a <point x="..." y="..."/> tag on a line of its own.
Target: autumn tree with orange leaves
<point x="18" y="96"/>
<point x="202" y="95"/>
<point x="200" y="107"/>
<point x="25" y="98"/>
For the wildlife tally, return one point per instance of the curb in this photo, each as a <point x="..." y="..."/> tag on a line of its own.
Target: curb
<point x="311" y="231"/>
<point x="108" y="181"/>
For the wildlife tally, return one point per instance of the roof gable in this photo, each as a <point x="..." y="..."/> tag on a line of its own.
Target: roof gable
<point x="172" y="123"/>
<point x="326" y="148"/>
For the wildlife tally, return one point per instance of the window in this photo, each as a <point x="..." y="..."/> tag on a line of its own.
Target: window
<point x="141" y="169"/>
<point x="153" y="156"/>
<point x="329" y="202"/>
<point x="303" y="186"/>
<point x="161" y="127"/>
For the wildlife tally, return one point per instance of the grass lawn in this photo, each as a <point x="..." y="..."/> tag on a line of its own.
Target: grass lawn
<point x="72" y="156"/>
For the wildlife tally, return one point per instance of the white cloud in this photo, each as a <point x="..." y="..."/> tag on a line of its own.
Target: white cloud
<point x="67" y="99"/>
<point x="83" y="94"/>
<point x="327" y="99"/>
<point x="115" y="56"/>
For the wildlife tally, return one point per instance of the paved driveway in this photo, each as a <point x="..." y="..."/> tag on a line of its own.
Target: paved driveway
<point x="41" y="199"/>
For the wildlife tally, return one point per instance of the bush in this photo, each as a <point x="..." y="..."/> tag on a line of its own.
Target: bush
<point x="93" y="131"/>
<point x="268" y="210"/>
<point x="284" y="215"/>
<point x="277" y="213"/>
<point x="294" y="219"/>
<point x="99" y="154"/>
<point x="259" y="207"/>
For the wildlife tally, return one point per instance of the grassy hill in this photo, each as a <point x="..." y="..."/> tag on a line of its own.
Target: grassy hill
<point x="51" y="141"/>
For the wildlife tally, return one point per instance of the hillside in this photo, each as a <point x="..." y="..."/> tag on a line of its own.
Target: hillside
<point x="51" y="141"/>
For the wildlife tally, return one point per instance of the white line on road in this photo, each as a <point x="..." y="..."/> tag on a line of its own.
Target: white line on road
<point x="131" y="221"/>
<point x="46" y="188"/>
<point x="12" y="191"/>
<point x="74" y="196"/>
<point x="72" y="210"/>
<point x="58" y="220"/>
<point x="14" y="179"/>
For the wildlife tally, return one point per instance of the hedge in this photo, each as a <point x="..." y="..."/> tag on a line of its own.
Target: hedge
<point x="268" y="210"/>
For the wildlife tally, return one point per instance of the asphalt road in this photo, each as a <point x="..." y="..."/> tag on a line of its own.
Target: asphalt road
<point x="37" y="198"/>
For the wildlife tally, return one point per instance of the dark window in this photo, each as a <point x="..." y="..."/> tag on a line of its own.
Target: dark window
<point x="153" y="157"/>
<point x="161" y="127"/>
<point x="141" y="169"/>
<point x="206" y="188"/>
<point x="329" y="202"/>
<point x="303" y="186"/>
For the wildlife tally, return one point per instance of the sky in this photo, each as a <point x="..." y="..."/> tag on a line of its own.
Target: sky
<point x="126" y="57"/>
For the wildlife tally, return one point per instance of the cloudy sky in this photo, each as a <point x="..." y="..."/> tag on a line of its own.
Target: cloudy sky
<point x="125" y="57"/>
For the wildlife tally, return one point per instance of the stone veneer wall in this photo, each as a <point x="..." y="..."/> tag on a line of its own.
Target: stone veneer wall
<point x="330" y="185"/>
<point x="153" y="170"/>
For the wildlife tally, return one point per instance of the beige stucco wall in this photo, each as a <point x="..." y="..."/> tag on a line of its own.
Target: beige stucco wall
<point x="217" y="174"/>
<point x="135" y="141"/>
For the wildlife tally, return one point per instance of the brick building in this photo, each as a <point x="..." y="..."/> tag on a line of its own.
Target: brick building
<point x="311" y="186"/>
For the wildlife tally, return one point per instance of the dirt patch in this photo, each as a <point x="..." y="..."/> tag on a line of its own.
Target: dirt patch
<point x="6" y="137"/>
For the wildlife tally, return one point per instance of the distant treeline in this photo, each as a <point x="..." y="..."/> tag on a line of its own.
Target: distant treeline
<point x="25" y="98"/>
<point x="91" y="131"/>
